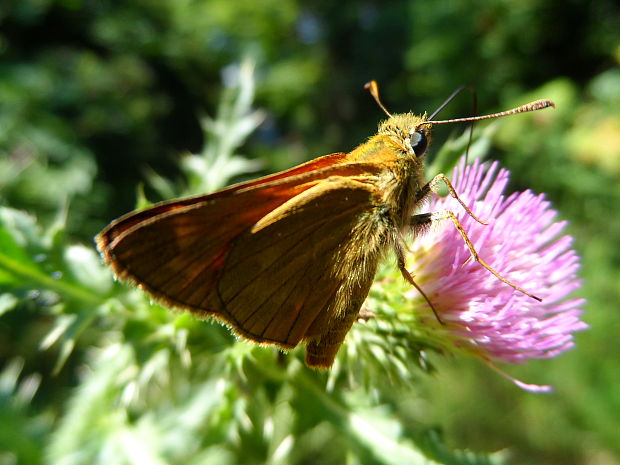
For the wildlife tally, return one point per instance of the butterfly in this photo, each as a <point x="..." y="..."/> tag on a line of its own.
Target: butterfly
<point x="289" y="258"/>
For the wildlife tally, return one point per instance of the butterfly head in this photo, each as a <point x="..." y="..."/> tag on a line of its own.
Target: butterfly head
<point x="410" y="131"/>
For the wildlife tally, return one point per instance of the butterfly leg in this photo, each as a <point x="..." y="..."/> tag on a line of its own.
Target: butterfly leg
<point x="433" y="186"/>
<point x="425" y="219"/>
<point x="400" y="256"/>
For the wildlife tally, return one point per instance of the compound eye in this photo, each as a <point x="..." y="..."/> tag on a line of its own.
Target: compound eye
<point x="419" y="142"/>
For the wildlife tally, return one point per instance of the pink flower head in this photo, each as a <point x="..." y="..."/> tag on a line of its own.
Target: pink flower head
<point x="523" y="242"/>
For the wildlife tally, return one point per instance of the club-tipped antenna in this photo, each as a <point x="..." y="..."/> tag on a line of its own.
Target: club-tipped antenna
<point x="532" y="106"/>
<point x="373" y="88"/>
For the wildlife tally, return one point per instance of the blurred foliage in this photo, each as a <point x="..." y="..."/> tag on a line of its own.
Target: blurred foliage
<point x="97" y="98"/>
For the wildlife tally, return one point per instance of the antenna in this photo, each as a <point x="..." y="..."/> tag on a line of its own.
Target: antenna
<point x="532" y="106"/>
<point x="452" y="97"/>
<point x="373" y="88"/>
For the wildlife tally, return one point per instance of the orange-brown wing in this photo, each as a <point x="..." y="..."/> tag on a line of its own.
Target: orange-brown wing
<point x="262" y="258"/>
<point x="181" y="246"/>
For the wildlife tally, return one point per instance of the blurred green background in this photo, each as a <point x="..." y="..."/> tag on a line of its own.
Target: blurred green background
<point x="101" y="100"/>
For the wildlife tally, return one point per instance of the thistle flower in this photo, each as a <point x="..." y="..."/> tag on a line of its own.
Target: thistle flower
<point x="482" y="315"/>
